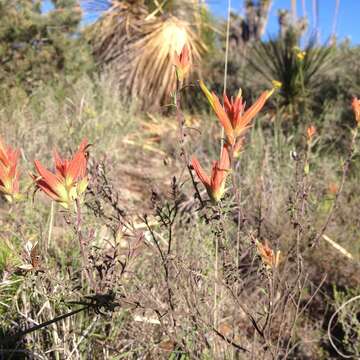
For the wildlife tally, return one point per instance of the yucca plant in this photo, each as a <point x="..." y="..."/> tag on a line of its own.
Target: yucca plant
<point x="298" y="70"/>
<point x="137" y="41"/>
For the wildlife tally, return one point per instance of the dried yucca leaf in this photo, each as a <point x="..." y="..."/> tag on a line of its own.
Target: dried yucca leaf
<point x="152" y="75"/>
<point x="139" y="49"/>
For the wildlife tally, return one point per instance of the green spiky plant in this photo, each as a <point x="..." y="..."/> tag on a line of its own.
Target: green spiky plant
<point x="299" y="71"/>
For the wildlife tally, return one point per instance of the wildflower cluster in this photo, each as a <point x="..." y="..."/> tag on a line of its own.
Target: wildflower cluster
<point x="234" y="119"/>
<point x="9" y="174"/>
<point x="66" y="184"/>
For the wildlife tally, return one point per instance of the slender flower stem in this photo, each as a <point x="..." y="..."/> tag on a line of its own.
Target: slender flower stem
<point x="216" y="279"/>
<point x="237" y="193"/>
<point x="51" y="224"/>
<point x="83" y="248"/>
<point x="226" y="64"/>
<point x="345" y="172"/>
<point x="183" y="153"/>
<point x="216" y="267"/>
<point x="181" y="120"/>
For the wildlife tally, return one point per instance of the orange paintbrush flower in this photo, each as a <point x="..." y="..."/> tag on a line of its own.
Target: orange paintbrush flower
<point x="268" y="257"/>
<point x="69" y="180"/>
<point x="182" y="63"/>
<point x="232" y="116"/>
<point x="238" y="147"/>
<point x="333" y="188"/>
<point x="215" y="184"/>
<point x="9" y="174"/>
<point x="356" y="109"/>
<point x="310" y="132"/>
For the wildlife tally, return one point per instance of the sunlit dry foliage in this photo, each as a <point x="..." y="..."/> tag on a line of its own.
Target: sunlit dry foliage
<point x="139" y="47"/>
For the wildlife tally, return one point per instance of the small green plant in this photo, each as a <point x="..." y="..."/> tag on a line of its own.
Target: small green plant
<point x="347" y="305"/>
<point x="299" y="71"/>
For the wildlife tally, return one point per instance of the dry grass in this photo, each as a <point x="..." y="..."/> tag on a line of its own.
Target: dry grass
<point x="159" y="303"/>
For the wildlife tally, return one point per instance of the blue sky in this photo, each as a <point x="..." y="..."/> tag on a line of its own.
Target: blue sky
<point x="347" y="22"/>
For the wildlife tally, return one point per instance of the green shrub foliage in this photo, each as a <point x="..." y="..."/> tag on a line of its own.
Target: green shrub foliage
<point x="36" y="46"/>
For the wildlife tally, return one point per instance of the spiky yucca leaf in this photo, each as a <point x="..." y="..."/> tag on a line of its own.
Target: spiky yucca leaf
<point x="277" y="59"/>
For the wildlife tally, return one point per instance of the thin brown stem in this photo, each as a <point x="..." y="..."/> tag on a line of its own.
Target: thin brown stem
<point x="183" y="152"/>
<point x="345" y="173"/>
<point x="83" y="247"/>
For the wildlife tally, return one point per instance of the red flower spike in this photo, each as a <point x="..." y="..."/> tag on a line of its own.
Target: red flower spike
<point x="268" y="257"/>
<point x="310" y="132"/>
<point x="69" y="180"/>
<point x="215" y="184"/>
<point x="243" y="120"/>
<point x="356" y="108"/>
<point x="182" y="63"/>
<point x="232" y="116"/>
<point x="224" y="119"/>
<point x="234" y="108"/>
<point x="9" y="175"/>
